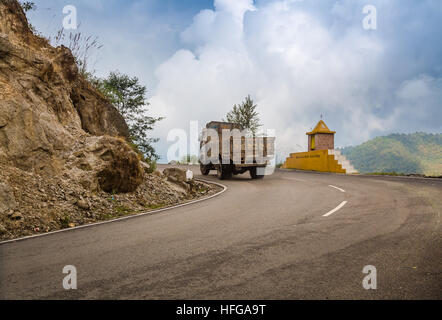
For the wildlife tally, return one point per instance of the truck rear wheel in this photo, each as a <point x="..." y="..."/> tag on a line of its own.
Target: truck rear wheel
<point x="205" y="169"/>
<point x="224" y="171"/>
<point x="254" y="173"/>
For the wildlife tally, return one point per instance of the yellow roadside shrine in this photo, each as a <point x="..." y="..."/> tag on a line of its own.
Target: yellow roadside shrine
<point x="321" y="154"/>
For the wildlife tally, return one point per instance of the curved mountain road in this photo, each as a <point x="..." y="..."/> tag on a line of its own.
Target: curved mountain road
<point x="292" y="235"/>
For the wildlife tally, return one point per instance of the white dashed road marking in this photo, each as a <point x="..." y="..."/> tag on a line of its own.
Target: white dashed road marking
<point x="343" y="203"/>
<point x="342" y="190"/>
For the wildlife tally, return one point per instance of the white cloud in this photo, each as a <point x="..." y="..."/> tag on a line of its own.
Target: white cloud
<point x="420" y="99"/>
<point x="236" y="8"/>
<point x="297" y="59"/>
<point x="292" y="65"/>
<point x="200" y="30"/>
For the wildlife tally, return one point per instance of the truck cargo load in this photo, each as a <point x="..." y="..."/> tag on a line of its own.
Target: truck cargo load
<point x="230" y="150"/>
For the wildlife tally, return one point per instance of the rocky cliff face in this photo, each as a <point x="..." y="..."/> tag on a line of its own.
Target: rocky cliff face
<point x="64" y="160"/>
<point x="53" y="124"/>
<point x="46" y="106"/>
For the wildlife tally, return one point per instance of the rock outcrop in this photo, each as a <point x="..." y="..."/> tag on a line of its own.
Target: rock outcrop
<point x="55" y="128"/>
<point x="45" y="104"/>
<point x="64" y="160"/>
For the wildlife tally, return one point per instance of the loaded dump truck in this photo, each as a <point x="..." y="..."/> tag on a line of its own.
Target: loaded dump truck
<point x="228" y="149"/>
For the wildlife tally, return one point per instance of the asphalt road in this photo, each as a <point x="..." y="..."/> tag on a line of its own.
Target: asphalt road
<point x="261" y="239"/>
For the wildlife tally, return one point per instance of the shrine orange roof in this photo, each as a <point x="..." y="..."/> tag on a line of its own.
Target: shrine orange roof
<point x="321" y="127"/>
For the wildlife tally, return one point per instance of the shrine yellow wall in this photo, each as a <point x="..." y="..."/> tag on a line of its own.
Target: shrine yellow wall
<point x="318" y="160"/>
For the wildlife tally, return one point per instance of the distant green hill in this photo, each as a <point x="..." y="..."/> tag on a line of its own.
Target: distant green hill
<point x="401" y="153"/>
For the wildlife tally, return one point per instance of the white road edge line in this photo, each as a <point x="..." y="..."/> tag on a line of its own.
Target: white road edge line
<point x="124" y="218"/>
<point x="342" y="190"/>
<point x="343" y="203"/>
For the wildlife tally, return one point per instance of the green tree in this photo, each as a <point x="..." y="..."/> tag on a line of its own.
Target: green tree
<point x="129" y="97"/>
<point x="28" y="5"/>
<point x="245" y="114"/>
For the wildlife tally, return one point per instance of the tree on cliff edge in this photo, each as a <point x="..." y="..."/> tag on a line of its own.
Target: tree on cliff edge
<point x="27" y="5"/>
<point x="129" y="97"/>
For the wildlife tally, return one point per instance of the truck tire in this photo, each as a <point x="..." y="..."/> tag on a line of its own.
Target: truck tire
<point x="254" y="173"/>
<point x="224" y="171"/>
<point x="205" y="169"/>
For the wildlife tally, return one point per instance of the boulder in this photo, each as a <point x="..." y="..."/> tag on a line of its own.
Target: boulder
<point x="175" y="174"/>
<point x="105" y="163"/>
<point x="178" y="175"/>
<point x="16" y="216"/>
<point x="83" y="204"/>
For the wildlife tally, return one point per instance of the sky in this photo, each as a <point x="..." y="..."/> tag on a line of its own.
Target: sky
<point x="298" y="60"/>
